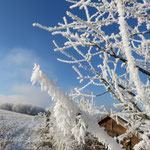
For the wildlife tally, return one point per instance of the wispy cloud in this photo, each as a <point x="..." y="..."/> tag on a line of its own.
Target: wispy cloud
<point x="18" y="63"/>
<point x="20" y="56"/>
<point x="15" y="72"/>
<point x="27" y="94"/>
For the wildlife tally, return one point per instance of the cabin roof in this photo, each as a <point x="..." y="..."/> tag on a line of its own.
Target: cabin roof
<point x="118" y="119"/>
<point x="124" y="123"/>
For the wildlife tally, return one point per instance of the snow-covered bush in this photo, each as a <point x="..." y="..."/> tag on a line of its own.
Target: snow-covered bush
<point x="111" y="46"/>
<point x="6" y="106"/>
<point x="22" y="108"/>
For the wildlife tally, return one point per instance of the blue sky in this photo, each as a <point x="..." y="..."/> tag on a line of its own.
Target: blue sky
<point x="21" y="45"/>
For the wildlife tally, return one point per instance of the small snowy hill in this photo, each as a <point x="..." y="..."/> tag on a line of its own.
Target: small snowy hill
<point x="18" y="131"/>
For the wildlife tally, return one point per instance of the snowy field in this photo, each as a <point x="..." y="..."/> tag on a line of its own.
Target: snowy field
<point x="19" y="131"/>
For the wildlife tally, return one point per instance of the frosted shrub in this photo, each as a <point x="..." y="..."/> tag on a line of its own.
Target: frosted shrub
<point x="70" y="123"/>
<point x="22" y="108"/>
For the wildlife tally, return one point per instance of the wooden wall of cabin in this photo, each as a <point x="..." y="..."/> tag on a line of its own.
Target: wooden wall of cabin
<point x="113" y="129"/>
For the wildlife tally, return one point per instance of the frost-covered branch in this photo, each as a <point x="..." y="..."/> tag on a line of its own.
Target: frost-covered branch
<point x="66" y="113"/>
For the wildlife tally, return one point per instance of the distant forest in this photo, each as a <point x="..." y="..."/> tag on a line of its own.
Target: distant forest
<point x="22" y="108"/>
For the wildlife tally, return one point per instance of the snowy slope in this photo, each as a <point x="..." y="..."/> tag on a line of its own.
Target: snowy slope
<point x="18" y="131"/>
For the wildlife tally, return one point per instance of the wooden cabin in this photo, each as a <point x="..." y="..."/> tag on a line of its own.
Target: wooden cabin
<point x="115" y="128"/>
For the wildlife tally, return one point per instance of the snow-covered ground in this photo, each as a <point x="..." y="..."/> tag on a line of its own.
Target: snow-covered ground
<point x="19" y="131"/>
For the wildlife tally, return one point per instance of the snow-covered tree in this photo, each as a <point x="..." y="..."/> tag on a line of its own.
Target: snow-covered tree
<point x="108" y="46"/>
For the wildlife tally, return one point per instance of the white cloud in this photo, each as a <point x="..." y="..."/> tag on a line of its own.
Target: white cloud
<point x="18" y="63"/>
<point x="11" y="98"/>
<point x="27" y="94"/>
<point x="20" y="56"/>
<point x="16" y="69"/>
